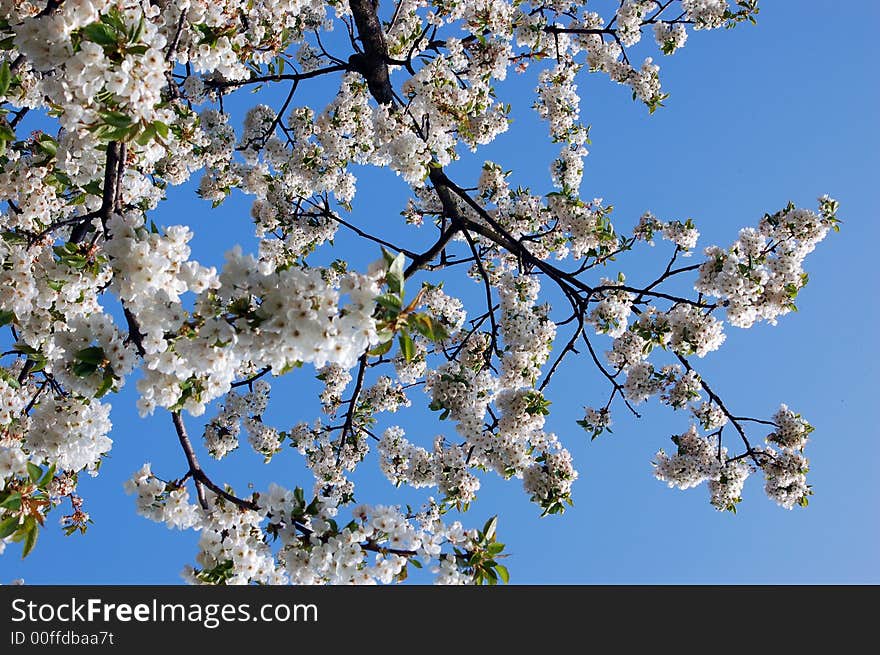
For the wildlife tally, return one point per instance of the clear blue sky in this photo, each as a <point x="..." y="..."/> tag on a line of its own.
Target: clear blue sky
<point x="757" y="116"/>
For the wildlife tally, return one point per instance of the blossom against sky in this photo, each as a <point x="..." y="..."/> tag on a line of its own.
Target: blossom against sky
<point x="755" y="118"/>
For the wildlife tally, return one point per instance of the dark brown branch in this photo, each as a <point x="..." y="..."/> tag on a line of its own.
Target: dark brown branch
<point x="428" y="256"/>
<point x="409" y="253"/>
<point x="352" y="406"/>
<point x="569" y="347"/>
<point x="755" y="420"/>
<point x="617" y="386"/>
<point x="25" y="371"/>
<point x="553" y="29"/>
<point x="249" y="381"/>
<point x="109" y="194"/>
<point x="33" y="400"/>
<point x="198" y="474"/>
<point x="487" y="287"/>
<point x="372" y="62"/>
<point x="565" y="280"/>
<point x="20" y="114"/>
<point x="714" y="398"/>
<point x="296" y="77"/>
<point x="172" y="46"/>
<point x="135" y="335"/>
<point x="190" y="455"/>
<point x="371" y="546"/>
<point x="111" y="202"/>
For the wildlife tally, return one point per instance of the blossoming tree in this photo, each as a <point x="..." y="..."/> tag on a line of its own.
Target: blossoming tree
<point x="94" y="292"/>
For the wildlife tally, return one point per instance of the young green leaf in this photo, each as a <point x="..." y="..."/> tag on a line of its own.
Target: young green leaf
<point x="34" y="472"/>
<point x="30" y="537"/>
<point x="407" y="348"/>
<point x="5" y="78"/>
<point x="8" y="526"/>
<point x="394" y="276"/>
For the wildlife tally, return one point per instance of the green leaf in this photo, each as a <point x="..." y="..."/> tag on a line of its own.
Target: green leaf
<point x="503" y="573"/>
<point x="116" y="119"/>
<point x="407" y="348"/>
<point x="5" y="78"/>
<point x="6" y="317"/>
<point x="8" y="526"/>
<point x="100" y="33"/>
<point x="92" y="355"/>
<point x="93" y="188"/>
<point x="394" y="276"/>
<point x="381" y="349"/>
<point x="428" y="327"/>
<point x="105" y="386"/>
<point x="34" y="472"/>
<point x="13" y="502"/>
<point x="138" y="31"/>
<point x="384" y="334"/>
<point x="83" y="369"/>
<point x="489" y="528"/>
<point x="30" y="538"/>
<point x="146" y="136"/>
<point x="47" y="476"/>
<point x="47" y="144"/>
<point x="387" y="256"/>
<point x="161" y="129"/>
<point x="13" y="238"/>
<point x="390" y="301"/>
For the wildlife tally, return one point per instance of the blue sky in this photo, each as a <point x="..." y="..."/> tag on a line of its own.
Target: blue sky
<point x="757" y="116"/>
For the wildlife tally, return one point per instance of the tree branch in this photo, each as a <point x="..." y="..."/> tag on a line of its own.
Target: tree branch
<point x="199" y="476"/>
<point x="372" y="62"/>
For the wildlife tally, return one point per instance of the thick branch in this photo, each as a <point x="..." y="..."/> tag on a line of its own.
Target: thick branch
<point x="110" y="193"/>
<point x="371" y="63"/>
<point x="428" y="256"/>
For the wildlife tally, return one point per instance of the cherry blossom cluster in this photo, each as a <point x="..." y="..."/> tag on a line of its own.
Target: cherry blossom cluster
<point x="463" y="390"/>
<point x="596" y="421"/>
<point x="70" y="433"/>
<point x="682" y="234"/>
<point x="760" y="275"/>
<point x="527" y="331"/>
<point x="698" y="460"/>
<point x="785" y="476"/>
<point x="444" y="468"/>
<point x="791" y="430"/>
<point x="162" y="502"/>
<point x="375" y="546"/>
<point x="701" y="459"/>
